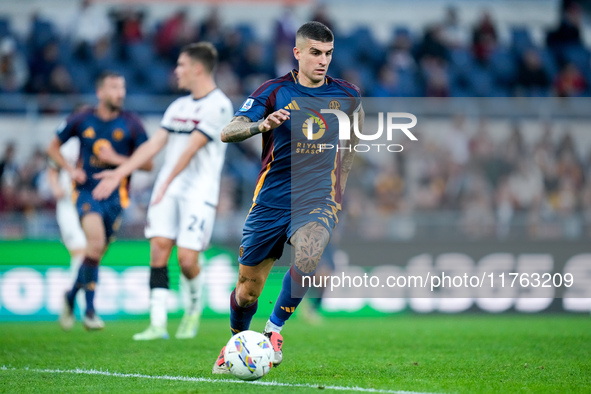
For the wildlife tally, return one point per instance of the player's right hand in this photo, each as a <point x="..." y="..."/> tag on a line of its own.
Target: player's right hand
<point x="274" y="120"/>
<point x="109" y="182"/>
<point x="78" y="175"/>
<point x="107" y="154"/>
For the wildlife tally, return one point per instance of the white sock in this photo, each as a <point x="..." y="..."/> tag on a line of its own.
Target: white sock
<point x="270" y="326"/>
<point x="158" y="312"/>
<point x="194" y="287"/>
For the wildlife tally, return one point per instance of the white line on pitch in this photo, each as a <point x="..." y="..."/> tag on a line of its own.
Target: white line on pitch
<point x="206" y="380"/>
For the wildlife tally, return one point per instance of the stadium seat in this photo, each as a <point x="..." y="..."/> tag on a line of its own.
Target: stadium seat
<point x="503" y="64"/>
<point x="141" y="54"/>
<point x="577" y="55"/>
<point x="247" y="33"/>
<point x="343" y="56"/>
<point x="4" y="27"/>
<point x="402" y="31"/>
<point x="481" y="82"/>
<point x="365" y="47"/>
<point x="66" y="49"/>
<point x="407" y="83"/>
<point x="549" y="63"/>
<point x="106" y="62"/>
<point x="461" y="58"/>
<point x="462" y="63"/>
<point x="520" y="39"/>
<point x="156" y="78"/>
<point x="81" y="75"/>
<point x="42" y="32"/>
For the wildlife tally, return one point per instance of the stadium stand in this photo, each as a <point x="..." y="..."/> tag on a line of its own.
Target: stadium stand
<point x="480" y="195"/>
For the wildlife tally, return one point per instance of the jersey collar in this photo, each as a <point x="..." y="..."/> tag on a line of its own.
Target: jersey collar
<point x="201" y="98"/>
<point x="294" y="74"/>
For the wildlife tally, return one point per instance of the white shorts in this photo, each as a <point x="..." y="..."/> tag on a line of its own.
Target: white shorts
<point x="188" y="221"/>
<point x="69" y="223"/>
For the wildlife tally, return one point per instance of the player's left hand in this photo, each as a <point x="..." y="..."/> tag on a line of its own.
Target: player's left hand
<point x="160" y="194"/>
<point x="274" y="120"/>
<point x="109" y="182"/>
<point x="107" y="154"/>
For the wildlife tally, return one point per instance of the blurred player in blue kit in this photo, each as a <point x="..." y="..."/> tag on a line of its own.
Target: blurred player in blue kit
<point x="107" y="135"/>
<point x="66" y="214"/>
<point x="299" y="191"/>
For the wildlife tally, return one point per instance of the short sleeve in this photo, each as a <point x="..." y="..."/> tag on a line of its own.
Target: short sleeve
<point x="356" y="93"/>
<point x="219" y="117"/>
<point x="255" y="105"/>
<point x="66" y="130"/>
<point x="139" y="133"/>
<point x="166" y="122"/>
<point x="207" y="129"/>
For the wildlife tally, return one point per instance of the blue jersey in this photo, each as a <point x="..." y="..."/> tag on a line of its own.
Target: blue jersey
<point x="295" y="172"/>
<point x="124" y="133"/>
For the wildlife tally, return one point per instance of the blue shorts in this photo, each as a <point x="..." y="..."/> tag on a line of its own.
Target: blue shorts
<point x="267" y="229"/>
<point x="109" y="209"/>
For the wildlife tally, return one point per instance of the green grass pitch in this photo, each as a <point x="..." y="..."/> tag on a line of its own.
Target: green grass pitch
<point x="436" y="353"/>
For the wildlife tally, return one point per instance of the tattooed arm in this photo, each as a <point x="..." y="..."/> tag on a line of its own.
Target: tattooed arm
<point x="242" y="127"/>
<point x="239" y="129"/>
<point x="347" y="157"/>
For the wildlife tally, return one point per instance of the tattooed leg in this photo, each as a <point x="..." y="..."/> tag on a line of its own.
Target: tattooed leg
<point x="251" y="281"/>
<point x="309" y="242"/>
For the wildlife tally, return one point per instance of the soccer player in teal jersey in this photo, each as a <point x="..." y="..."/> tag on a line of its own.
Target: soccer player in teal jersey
<point x="108" y="135"/>
<point x="298" y="193"/>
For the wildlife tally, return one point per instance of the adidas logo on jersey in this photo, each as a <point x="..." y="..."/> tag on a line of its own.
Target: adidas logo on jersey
<point x="292" y="105"/>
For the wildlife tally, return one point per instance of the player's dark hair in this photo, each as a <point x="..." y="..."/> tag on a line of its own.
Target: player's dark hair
<point x="203" y="52"/>
<point x="315" y="31"/>
<point x="104" y="75"/>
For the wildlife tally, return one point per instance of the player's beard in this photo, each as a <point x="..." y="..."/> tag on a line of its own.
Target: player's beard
<point x="315" y="79"/>
<point x="114" y="106"/>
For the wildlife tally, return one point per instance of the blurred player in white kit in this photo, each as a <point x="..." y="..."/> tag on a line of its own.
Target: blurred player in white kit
<point x="68" y="221"/>
<point x="185" y="196"/>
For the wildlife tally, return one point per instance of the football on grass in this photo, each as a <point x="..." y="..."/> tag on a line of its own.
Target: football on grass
<point x="249" y="355"/>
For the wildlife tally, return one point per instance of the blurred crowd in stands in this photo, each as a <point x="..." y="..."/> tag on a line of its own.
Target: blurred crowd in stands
<point x="479" y="187"/>
<point x="487" y="186"/>
<point x="449" y="58"/>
